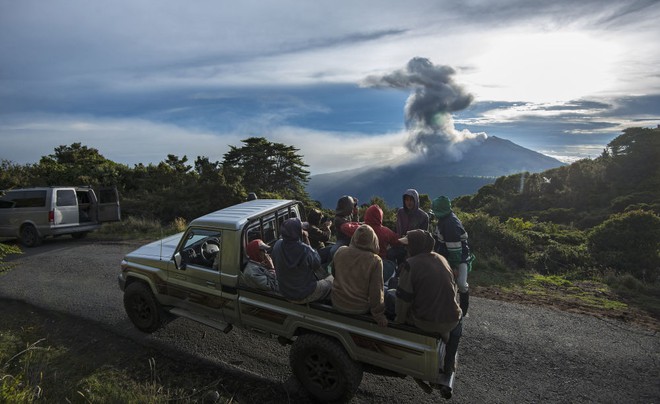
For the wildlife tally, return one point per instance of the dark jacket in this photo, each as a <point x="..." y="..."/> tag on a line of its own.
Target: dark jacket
<point x="426" y="294"/>
<point x="411" y="219"/>
<point x="317" y="234"/>
<point x="451" y="237"/>
<point x="344" y="214"/>
<point x="295" y="262"/>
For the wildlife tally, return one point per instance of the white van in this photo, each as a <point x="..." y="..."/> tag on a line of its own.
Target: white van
<point x="34" y="213"/>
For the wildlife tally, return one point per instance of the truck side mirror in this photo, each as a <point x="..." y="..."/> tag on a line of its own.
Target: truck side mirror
<point x="178" y="261"/>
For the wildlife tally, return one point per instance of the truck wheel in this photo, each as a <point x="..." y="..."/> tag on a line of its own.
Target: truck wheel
<point x="324" y="368"/>
<point x="30" y="236"/>
<point x="142" y="307"/>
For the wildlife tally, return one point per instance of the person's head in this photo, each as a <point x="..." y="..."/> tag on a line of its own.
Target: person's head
<point x="411" y="199"/>
<point x="418" y="241"/>
<point x="346" y="206"/>
<point x="314" y="217"/>
<point x="441" y="207"/>
<point x="257" y="250"/>
<point x="291" y="229"/>
<point x="365" y="238"/>
<point x="373" y="216"/>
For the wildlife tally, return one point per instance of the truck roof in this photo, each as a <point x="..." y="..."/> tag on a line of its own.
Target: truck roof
<point x="235" y="216"/>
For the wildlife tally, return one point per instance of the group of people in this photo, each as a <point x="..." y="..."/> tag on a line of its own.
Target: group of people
<point x="408" y="276"/>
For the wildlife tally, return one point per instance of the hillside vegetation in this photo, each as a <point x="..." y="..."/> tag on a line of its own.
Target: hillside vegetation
<point x="593" y="220"/>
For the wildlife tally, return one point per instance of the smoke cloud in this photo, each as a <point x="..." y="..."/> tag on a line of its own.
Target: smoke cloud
<point x="429" y="108"/>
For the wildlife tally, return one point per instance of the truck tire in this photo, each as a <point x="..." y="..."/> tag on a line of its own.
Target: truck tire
<point x="142" y="307"/>
<point x="324" y="368"/>
<point x="30" y="236"/>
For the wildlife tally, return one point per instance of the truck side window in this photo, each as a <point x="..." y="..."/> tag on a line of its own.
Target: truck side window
<point x="203" y="247"/>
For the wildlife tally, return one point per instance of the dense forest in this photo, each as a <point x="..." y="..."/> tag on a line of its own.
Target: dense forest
<point x="589" y="218"/>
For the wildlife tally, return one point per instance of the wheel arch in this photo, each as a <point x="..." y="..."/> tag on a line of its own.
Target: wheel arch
<point x="342" y="338"/>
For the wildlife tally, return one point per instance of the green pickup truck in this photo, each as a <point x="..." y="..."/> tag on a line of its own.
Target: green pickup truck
<point x="197" y="274"/>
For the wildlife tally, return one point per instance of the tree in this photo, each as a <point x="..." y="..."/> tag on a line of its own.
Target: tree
<point x="267" y="168"/>
<point x="14" y="175"/>
<point x="77" y="165"/>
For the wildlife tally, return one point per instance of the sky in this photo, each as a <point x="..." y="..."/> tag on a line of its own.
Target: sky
<point x="348" y="83"/>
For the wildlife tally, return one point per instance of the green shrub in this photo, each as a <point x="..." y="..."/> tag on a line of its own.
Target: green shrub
<point x="628" y="243"/>
<point x="488" y="237"/>
<point x="561" y="259"/>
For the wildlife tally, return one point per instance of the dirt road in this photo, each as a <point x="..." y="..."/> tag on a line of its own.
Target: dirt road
<point x="509" y="352"/>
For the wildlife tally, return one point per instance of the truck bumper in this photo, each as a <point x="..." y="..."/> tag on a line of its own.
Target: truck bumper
<point x="122" y="281"/>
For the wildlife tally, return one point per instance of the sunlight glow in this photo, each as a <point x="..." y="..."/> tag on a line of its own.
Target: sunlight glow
<point x="544" y="67"/>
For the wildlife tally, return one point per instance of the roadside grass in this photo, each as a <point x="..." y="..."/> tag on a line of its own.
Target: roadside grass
<point x="5" y="250"/>
<point x="32" y="372"/>
<point x="617" y="296"/>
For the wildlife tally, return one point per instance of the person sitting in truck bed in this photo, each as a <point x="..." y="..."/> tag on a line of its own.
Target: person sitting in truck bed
<point x="318" y="231"/>
<point x="295" y="265"/>
<point x="426" y="296"/>
<point x="259" y="273"/>
<point x="345" y="212"/>
<point x="358" y="276"/>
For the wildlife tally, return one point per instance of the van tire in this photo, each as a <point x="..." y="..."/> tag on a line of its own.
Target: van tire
<point x="324" y="368"/>
<point x="30" y="236"/>
<point x="142" y="307"/>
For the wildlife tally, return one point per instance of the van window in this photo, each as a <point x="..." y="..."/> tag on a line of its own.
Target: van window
<point x="24" y="199"/>
<point x="66" y="197"/>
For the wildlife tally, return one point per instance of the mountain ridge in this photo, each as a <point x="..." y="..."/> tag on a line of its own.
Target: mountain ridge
<point x="480" y="165"/>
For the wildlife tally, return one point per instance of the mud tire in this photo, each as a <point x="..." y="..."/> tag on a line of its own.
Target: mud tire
<point x="30" y="236"/>
<point x="324" y="368"/>
<point x="142" y="308"/>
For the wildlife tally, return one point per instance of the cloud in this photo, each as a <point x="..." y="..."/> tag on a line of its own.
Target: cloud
<point x="125" y="141"/>
<point x="133" y="141"/>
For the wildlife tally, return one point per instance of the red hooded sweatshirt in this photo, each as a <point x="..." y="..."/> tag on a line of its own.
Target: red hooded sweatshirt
<point x="386" y="237"/>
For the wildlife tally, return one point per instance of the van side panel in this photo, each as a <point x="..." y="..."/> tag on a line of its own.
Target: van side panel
<point x="23" y="206"/>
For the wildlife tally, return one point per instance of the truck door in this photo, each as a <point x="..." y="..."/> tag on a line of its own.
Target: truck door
<point x="108" y="205"/>
<point x="197" y="280"/>
<point x="65" y="209"/>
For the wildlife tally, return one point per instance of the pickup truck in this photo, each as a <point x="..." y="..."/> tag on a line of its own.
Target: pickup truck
<point x="197" y="274"/>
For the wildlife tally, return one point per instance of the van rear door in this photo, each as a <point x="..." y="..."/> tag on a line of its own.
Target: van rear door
<point x="108" y="205"/>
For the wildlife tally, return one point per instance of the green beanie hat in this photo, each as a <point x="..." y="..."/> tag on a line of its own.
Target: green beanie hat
<point x="441" y="206"/>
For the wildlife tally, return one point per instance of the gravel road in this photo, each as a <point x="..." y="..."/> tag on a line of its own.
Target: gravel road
<point x="509" y="352"/>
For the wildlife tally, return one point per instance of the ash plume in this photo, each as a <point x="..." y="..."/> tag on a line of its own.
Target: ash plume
<point x="428" y="111"/>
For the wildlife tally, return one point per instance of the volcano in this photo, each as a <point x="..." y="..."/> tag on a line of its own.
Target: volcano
<point x="479" y="166"/>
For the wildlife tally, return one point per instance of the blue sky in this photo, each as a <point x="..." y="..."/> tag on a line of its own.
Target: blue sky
<point x="142" y="79"/>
